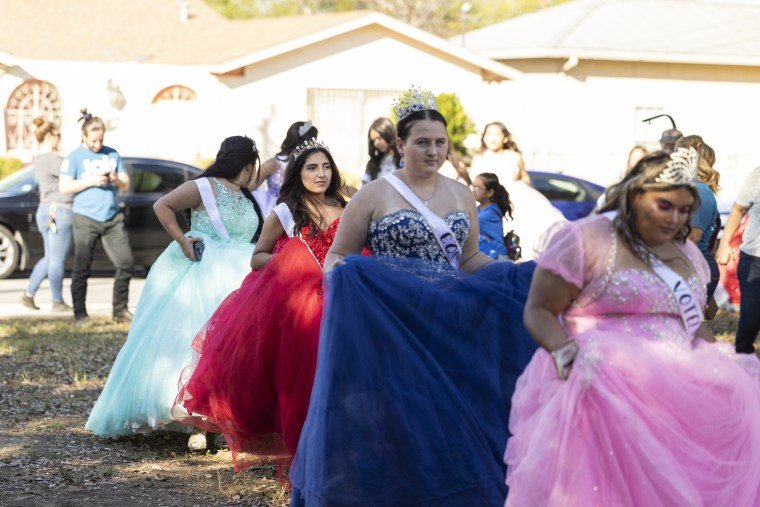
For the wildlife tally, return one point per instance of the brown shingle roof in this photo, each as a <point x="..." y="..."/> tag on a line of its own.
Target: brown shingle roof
<point x="148" y="31"/>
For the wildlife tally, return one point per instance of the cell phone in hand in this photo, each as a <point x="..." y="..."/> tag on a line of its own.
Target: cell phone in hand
<point x="198" y="248"/>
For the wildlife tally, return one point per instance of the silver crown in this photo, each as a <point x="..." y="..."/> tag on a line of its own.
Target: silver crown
<point x="413" y="100"/>
<point x="309" y="144"/>
<point x="255" y="149"/>
<point x="682" y="168"/>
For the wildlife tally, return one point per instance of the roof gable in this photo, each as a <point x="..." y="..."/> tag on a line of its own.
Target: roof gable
<point x="150" y="31"/>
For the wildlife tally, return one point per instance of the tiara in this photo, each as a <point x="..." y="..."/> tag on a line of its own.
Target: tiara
<point x="303" y="129"/>
<point x="681" y="169"/>
<point x="309" y="144"/>
<point x="413" y="100"/>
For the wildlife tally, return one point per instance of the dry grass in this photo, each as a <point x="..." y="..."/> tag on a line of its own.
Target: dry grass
<point x="51" y="373"/>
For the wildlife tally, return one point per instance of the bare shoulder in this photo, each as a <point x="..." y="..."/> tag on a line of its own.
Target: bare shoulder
<point x="371" y="192"/>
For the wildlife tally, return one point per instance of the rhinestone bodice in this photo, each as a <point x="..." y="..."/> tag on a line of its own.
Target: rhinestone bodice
<point x="630" y="300"/>
<point x="237" y="213"/>
<point x="405" y="233"/>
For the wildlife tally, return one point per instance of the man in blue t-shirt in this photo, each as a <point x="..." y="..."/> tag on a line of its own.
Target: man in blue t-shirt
<point x="94" y="173"/>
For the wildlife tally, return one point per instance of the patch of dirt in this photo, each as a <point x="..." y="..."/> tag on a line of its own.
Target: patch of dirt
<point x="51" y="373"/>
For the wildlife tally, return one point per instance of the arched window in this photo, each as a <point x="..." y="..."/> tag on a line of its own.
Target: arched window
<point x="175" y="92"/>
<point x="30" y="100"/>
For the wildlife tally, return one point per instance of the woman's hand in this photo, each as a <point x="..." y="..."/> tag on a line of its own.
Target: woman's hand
<point x="724" y="254"/>
<point x="563" y="357"/>
<point x="188" y="247"/>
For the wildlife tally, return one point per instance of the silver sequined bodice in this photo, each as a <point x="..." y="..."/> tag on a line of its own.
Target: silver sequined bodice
<point x="405" y="233"/>
<point x="237" y="213"/>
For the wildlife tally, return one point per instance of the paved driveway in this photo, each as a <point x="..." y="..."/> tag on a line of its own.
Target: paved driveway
<point x="99" y="299"/>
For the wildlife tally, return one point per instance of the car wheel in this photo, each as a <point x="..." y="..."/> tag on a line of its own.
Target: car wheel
<point x="9" y="253"/>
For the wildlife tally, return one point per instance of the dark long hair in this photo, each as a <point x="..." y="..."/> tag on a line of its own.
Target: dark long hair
<point x="500" y="194"/>
<point x="295" y="195"/>
<point x="234" y="154"/>
<point x="385" y="129"/>
<point x="642" y="178"/>
<point x="404" y="125"/>
<point x="293" y="138"/>
<point x="508" y="144"/>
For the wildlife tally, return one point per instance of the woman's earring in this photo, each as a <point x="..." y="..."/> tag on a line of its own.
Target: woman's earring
<point x="401" y="162"/>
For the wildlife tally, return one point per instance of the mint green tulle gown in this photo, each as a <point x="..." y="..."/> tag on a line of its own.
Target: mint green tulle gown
<point x="178" y="297"/>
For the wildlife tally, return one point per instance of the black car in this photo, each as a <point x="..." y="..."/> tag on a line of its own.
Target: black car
<point x="20" y="240"/>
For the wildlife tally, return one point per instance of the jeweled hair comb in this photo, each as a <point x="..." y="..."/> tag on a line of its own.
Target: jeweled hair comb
<point x="682" y="168"/>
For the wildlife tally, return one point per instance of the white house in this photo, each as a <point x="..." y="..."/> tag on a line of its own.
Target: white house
<point x="592" y="70"/>
<point x="172" y="79"/>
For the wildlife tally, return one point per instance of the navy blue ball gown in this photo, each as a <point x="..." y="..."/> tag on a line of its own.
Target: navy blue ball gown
<point x="416" y="367"/>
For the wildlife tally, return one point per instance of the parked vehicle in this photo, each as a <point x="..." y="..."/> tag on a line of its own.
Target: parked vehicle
<point x="20" y="240"/>
<point x="574" y="197"/>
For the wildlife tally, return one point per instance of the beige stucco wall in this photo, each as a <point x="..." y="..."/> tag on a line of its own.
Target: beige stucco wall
<point x="584" y="122"/>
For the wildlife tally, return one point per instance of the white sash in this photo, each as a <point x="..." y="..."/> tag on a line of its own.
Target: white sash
<point x="286" y="218"/>
<point x="288" y="223"/>
<point x="443" y="234"/>
<point x="209" y="202"/>
<point x="691" y="312"/>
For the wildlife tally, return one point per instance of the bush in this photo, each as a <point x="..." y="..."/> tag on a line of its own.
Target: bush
<point x="9" y="165"/>
<point x="460" y="124"/>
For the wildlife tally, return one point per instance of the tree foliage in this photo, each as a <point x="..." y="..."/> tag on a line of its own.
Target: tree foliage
<point x="441" y="17"/>
<point x="460" y="125"/>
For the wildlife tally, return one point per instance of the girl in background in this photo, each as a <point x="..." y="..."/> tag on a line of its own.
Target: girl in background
<point x="493" y="208"/>
<point x="381" y="145"/>
<point x="532" y="212"/>
<point x="54" y="219"/>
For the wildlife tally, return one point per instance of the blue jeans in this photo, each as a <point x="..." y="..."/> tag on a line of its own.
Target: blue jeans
<point x="748" y="273"/>
<point x="56" y="244"/>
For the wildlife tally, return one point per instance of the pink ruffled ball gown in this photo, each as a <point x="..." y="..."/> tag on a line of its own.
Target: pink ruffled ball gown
<point x="648" y="416"/>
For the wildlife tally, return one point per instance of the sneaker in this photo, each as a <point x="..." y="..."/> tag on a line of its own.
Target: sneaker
<point x="61" y="307"/>
<point x="122" y="316"/>
<point x="28" y="301"/>
<point x="81" y="320"/>
<point x="197" y="440"/>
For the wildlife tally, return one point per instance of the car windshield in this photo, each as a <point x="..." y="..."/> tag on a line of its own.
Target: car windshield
<point x="20" y="182"/>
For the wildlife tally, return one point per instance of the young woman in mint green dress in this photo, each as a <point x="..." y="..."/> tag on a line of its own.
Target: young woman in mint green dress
<point x="182" y="290"/>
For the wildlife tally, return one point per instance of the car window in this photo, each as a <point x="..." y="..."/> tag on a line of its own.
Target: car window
<point x="559" y="189"/>
<point x="147" y="178"/>
<point x="20" y="182"/>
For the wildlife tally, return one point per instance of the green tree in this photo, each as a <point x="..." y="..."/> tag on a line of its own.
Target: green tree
<point x="441" y="17"/>
<point x="460" y="125"/>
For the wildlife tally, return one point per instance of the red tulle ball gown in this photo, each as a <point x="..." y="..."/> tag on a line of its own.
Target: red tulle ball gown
<point x="253" y="377"/>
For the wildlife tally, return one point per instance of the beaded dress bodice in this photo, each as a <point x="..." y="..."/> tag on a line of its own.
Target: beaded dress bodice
<point x="629" y="300"/>
<point x="237" y="213"/>
<point x="405" y="233"/>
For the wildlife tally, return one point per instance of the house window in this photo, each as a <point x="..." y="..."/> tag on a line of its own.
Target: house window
<point x="175" y="93"/>
<point x="30" y="100"/>
<point x="346" y="115"/>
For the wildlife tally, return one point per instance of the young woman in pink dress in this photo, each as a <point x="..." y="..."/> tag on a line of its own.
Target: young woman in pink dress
<point x="631" y="403"/>
<point x="258" y="352"/>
